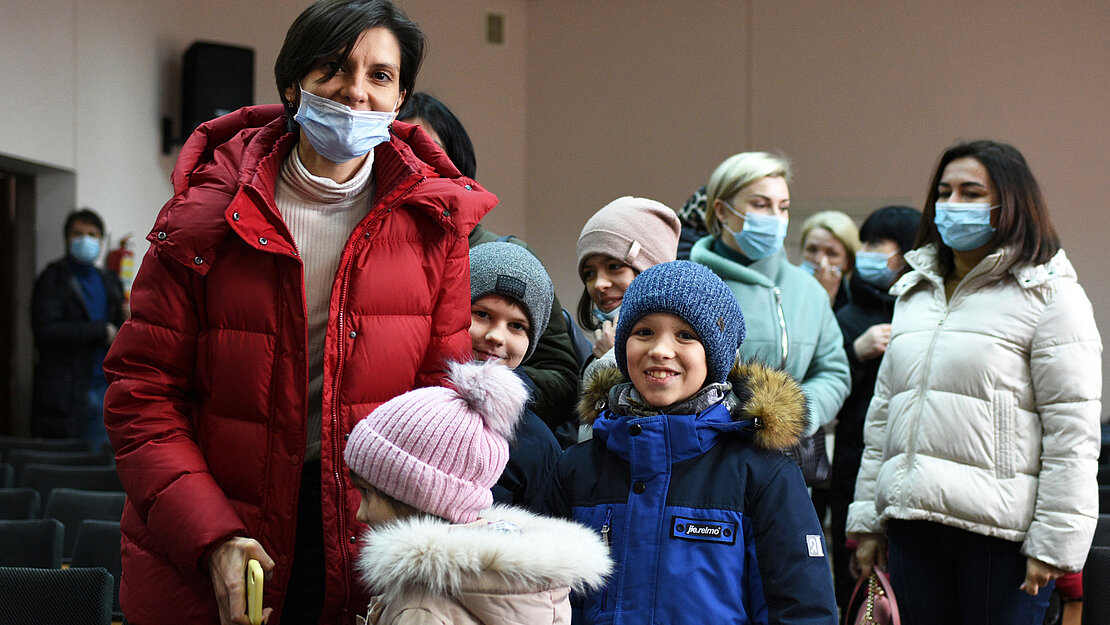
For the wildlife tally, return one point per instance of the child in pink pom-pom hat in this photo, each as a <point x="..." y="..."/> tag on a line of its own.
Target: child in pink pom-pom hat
<point x="436" y="550"/>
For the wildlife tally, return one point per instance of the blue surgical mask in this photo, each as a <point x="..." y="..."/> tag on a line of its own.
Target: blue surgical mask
<point x="964" y="226"/>
<point x="605" y="316"/>
<point x="761" y="236"/>
<point x="808" y="267"/>
<point x="84" y="249"/>
<point x="339" y="133"/>
<point x="872" y="268"/>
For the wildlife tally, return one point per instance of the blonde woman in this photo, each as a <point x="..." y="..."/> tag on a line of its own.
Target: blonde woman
<point x="789" y="322"/>
<point x="830" y="240"/>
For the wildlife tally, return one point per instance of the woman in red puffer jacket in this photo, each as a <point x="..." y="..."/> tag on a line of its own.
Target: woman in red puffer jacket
<point x="312" y="264"/>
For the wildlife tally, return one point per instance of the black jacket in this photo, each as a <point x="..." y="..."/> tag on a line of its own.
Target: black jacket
<point x="68" y="342"/>
<point x="869" y="306"/>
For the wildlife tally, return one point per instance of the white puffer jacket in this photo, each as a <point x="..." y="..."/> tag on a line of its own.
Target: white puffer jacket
<point x="986" y="410"/>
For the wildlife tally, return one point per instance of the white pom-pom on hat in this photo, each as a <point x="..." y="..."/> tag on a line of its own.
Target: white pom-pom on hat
<point x="491" y="390"/>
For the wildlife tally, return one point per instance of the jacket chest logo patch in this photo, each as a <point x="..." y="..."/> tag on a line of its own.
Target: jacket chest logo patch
<point x="723" y="532"/>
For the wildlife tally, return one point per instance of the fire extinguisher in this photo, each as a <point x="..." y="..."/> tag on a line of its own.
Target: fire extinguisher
<point x="121" y="261"/>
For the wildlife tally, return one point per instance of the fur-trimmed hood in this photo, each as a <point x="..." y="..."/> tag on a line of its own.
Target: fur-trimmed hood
<point x="770" y="397"/>
<point x="508" y="551"/>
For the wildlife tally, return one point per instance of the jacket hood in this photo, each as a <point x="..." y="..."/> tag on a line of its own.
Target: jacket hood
<point x="995" y="265"/>
<point x="232" y="163"/>
<point x="535" y="554"/>
<point x="769" y="397"/>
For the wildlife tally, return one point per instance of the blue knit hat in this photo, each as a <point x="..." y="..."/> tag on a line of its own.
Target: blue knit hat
<point x="696" y="295"/>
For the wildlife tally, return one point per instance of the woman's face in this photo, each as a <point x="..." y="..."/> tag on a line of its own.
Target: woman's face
<point x="606" y="280"/>
<point x="769" y="195"/>
<point x="821" y="244"/>
<point x="369" y="80"/>
<point x="967" y="180"/>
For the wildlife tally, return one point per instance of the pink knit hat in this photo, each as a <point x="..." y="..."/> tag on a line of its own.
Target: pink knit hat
<point x="441" y="449"/>
<point x="634" y="230"/>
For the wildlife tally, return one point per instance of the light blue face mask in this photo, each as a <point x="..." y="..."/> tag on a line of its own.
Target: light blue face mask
<point x="964" y="226"/>
<point x="761" y="236"/>
<point x="602" y="317"/>
<point x="339" y="133"/>
<point x="808" y="267"/>
<point x="872" y="268"/>
<point x="85" y="249"/>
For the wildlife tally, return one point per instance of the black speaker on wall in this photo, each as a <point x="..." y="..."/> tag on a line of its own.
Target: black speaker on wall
<point x="216" y="79"/>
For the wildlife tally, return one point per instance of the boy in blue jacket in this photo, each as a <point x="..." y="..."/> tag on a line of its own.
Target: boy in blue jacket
<point x="685" y="479"/>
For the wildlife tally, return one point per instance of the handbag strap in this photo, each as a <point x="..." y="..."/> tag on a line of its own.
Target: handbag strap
<point x="881" y="579"/>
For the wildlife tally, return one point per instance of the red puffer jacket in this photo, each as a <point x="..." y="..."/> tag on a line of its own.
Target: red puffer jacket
<point x="207" y="404"/>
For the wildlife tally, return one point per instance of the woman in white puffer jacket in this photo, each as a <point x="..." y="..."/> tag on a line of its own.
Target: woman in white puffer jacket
<point x="982" y="439"/>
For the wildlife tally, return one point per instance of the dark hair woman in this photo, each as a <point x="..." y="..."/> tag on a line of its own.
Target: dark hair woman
<point x="981" y="443"/>
<point x="312" y="264"/>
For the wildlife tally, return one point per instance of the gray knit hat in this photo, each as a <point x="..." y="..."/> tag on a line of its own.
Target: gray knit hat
<point x="634" y="230"/>
<point x="696" y="295"/>
<point x="509" y="270"/>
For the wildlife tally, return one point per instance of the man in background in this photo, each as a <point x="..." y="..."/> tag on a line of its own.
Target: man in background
<point x="75" y="313"/>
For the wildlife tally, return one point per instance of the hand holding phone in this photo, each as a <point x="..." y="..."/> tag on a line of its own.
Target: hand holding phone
<point x="254" y="592"/>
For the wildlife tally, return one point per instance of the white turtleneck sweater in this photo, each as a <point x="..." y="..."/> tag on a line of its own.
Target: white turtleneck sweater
<point x="321" y="215"/>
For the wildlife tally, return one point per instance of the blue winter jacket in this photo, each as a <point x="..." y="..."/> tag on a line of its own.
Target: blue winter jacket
<point x="707" y="520"/>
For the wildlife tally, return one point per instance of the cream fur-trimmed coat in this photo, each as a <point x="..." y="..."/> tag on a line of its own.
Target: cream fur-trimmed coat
<point x="425" y="571"/>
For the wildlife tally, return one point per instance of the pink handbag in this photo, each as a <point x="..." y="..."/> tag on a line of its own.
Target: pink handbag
<point x="873" y="602"/>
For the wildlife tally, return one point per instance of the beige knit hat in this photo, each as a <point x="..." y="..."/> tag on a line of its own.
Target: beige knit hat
<point x="634" y="230"/>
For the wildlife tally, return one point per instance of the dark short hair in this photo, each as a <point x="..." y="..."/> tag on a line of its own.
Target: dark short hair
<point x="456" y="143"/>
<point x="332" y="27"/>
<point x="1023" y="223"/>
<point x="894" y="223"/>
<point x="84" y="215"/>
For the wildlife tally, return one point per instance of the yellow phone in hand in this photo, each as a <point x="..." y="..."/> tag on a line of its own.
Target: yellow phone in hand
<point x="254" y="592"/>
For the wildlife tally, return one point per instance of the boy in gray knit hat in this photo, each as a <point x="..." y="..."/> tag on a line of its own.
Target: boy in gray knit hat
<point x="510" y="303"/>
<point x="512" y="293"/>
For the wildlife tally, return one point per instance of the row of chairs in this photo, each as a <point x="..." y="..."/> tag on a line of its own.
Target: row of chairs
<point x="66" y="505"/>
<point x="37" y="596"/>
<point x="60" y="507"/>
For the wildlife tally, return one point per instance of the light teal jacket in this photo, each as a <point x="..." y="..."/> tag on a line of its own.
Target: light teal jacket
<point x="790" y="325"/>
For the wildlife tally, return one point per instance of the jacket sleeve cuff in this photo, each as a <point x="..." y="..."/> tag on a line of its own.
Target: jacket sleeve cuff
<point x="863" y="518"/>
<point x="190" y="517"/>
<point x="1060" y="545"/>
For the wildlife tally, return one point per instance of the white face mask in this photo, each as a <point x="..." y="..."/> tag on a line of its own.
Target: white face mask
<point x="339" y="133"/>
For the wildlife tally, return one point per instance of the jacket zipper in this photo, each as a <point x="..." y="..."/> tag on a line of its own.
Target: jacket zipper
<point x="607" y="538"/>
<point x="782" y="326"/>
<point x="925" y="373"/>
<point x="341" y="497"/>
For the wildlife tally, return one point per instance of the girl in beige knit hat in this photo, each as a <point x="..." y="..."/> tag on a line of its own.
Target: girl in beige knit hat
<point x="625" y="237"/>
